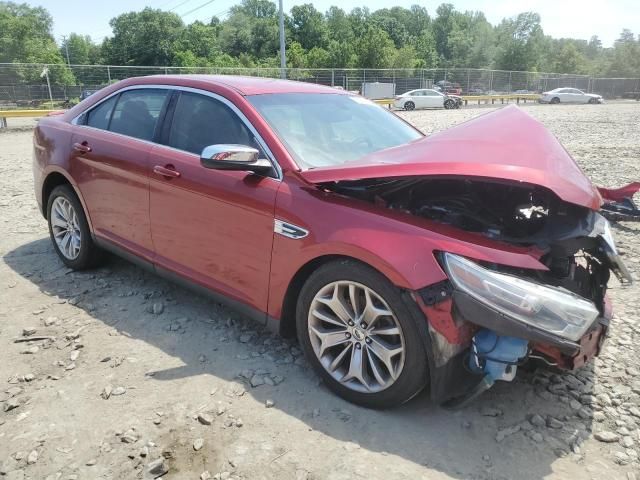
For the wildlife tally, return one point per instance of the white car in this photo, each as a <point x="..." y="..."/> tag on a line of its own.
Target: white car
<point x="424" y="98"/>
<point x="569" y="95"/>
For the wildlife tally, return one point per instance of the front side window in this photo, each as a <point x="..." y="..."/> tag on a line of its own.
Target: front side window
<point x="99" y="116"/>
<point x="137" y="112"/>
<point x="331" y="129"/>
<point x="200" y="121"/>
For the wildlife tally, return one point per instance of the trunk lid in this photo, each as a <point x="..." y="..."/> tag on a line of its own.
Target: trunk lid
<point x="506" y="144"/>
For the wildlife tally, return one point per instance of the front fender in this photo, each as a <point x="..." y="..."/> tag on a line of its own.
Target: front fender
<point x="400" y="246"/>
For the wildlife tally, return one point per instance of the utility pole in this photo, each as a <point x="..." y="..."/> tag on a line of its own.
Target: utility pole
<point x="283" y="55"/>
<point x="66" y="48"/>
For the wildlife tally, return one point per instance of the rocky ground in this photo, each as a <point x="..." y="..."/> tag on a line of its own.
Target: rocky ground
<point x="117" y="374"/>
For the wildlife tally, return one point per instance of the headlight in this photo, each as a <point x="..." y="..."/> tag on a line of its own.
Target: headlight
<point x="551" y="309"/>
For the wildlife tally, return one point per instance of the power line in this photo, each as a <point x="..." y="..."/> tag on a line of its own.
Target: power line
<point x="197" y="8"/>
<point x="179" y="5"/>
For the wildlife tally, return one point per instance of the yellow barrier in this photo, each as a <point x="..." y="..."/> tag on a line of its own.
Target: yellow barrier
<point x="480" y="98"/>
<point x="4" y="114"/>
<point x="514" y="96"/>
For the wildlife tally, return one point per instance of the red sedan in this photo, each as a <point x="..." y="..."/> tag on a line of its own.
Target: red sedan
<point x="400" y="261"/>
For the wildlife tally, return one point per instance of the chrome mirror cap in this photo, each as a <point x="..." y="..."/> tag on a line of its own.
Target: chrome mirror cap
<point x="235" y="157"/>
<point x="230" y="153"/>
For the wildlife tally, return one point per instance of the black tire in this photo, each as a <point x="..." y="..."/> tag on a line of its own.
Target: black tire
<point x="90" y="255"/>
<point x="415" y="372"/>
<point x="555" y="100"/>
<point x="449" y="104"/>
<point x="409" y="106"/>
<point x="593" y="101"/>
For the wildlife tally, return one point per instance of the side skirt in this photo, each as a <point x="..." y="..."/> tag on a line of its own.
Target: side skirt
<point x="256" y="315"/>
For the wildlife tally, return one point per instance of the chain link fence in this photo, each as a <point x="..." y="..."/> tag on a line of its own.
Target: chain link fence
<point x="24" y="84"/>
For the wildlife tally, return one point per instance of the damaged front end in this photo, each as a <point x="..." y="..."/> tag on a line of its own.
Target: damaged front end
<point x="488" y="318"/>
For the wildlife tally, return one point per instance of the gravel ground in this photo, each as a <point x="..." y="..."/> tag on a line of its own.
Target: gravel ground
<point x="138" y="376"/>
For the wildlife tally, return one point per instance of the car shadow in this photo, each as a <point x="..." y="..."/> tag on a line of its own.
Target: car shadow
<point x="493" y="435"/>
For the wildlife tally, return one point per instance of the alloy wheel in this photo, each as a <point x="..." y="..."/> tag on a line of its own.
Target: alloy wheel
<point x="356" y="336"/>
<point x="66" y="228"/>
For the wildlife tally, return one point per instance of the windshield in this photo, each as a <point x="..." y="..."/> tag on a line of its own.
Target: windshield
<point x="326" y="130"/>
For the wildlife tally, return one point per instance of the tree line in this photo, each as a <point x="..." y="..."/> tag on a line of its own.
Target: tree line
<point x="248" y="37"/>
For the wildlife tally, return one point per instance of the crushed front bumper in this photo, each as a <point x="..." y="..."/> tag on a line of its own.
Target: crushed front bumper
<point x="453" y="319"/>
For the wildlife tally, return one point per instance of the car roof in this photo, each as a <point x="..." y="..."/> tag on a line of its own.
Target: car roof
<point x="242" y="84"/>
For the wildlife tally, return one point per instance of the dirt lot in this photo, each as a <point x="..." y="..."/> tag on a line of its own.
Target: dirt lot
<point x="138" y="369"/>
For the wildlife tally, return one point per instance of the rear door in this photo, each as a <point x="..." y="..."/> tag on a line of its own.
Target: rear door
<point x="434" y="99"/>
<point x="420" y="99"/>
<point x="109" y="160"/>
<point x="212" y="227"/>
<point x="569" y="96"/>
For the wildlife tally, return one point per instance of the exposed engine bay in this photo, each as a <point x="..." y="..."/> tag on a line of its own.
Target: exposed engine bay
<point x="515" y="213"/>
<point x="576" y="245"/>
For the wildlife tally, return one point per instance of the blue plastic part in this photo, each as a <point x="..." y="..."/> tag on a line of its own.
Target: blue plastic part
<point x="495" y="356"/>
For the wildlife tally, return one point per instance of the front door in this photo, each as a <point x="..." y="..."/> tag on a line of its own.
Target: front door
<point x="213" y="227"/>
<point x="110" y="162"/>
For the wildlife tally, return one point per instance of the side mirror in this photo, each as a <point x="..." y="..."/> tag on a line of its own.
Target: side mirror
<point x="234" y="157"/>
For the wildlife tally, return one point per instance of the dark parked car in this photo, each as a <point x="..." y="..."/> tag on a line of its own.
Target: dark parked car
<point x="449" y="87"/>
<point x="400" y="261"/>
<point x="87" y="93"/>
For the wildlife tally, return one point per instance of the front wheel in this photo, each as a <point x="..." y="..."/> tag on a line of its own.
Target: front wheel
<point x="593" y="101"/>
<point x="449" y="104"/>
<point x="409" y="106"/>
<point x="69" y="230"/>
<point x="555" y="100"/>
<point x="360" y="337"/>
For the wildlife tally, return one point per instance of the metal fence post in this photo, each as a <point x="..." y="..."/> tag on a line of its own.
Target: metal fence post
<point x="109" y="73"/>
<point x="510" y="89"/>
<point x="468" y="75"/>
<point x="333" y="77"/>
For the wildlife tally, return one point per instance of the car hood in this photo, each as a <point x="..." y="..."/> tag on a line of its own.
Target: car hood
<point x="505" y="144"/>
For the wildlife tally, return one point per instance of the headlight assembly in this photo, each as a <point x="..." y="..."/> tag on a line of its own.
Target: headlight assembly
<point x="550" y="309"/>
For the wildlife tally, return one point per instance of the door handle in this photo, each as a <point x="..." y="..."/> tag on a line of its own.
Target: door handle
<point x="167" y="172"/>
<point x="82" y="147"/>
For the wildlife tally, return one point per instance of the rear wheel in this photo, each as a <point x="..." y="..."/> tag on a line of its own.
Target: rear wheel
<point x="409" y="106"/>
<point x="360" y="337"/>
<point x="69" y="230"/>
<point x="555" y="100"/>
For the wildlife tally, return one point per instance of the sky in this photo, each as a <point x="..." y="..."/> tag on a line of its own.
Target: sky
<point x="560" y="18"/>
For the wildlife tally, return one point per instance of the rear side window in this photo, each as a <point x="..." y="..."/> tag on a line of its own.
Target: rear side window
<point x="99" y="117"/>
<point x="200" y="121"/>
<point x="137" y="111"/>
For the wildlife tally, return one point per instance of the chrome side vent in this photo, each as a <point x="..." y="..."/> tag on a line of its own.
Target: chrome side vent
<point x="289" y="230"/>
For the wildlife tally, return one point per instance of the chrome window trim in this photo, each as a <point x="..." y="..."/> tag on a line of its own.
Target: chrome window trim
<point x="225" y="101"/>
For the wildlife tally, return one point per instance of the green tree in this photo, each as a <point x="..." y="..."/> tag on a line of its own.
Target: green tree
<point x="342" y="54"/>
<point x="338" y="25"/>
<point x="296" y="56"/>
<point x="308" y="26"/>
<point x="25" y="36"/>
<point x="442" y="27"/>
<point x="426" y="52"/>
<point x="143" y="38"/>
<point x="519" y="42"/>
<point x="390" y="24"/>
<point x="374" y="49"/>
<point x="318" y="57"/>
<point x="81" y="49"/>
<point x="625" y="56"/>
<point x="235" y="35"/>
